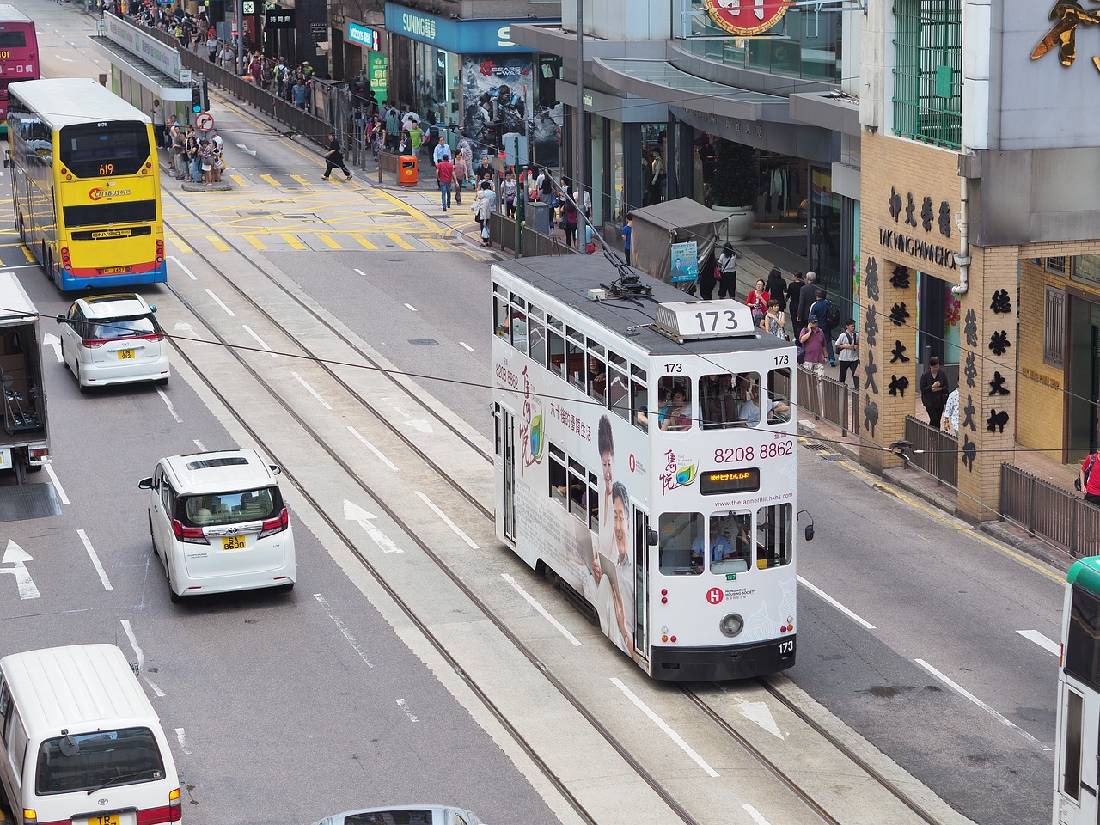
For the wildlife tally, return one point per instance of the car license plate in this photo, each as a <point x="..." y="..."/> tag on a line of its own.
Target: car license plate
<point x="110" y="819"/>
<point x="113" y="270"/>
<point x="233" y="543"/>
<point x="126" y="354"/>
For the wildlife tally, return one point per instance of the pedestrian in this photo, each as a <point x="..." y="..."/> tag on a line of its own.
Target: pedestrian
<point x="828" y="316"/>
<point x="206" y="159"/>
<point x="442" y="150"/>
<point x="416" y="138"/>
<point x="487" y="201"/>
<point x="806" y="297"/>
<point x="569" y="219"/>
<point x="775" y="321"/>
<point x="509" y="189"/>
<point x="444" y="175"/>
<point x="393" y="128"/>
<point x="949" y="420"/>
<point x="158" y="122"/>
<point x="334" y="158"/>
<point x="777" y="288"/>
<point x="628" y="236"/>
<point x="298" y="92"/>
<point x="461" y="173"/>
<point x="757" y="301"/>
<point x="484" y="171"/>
<point x="727" y="272"/>
<point x="708" y="277"/>
<point x="934" y="389"/>
<point x="545" y="186"/>
<point x="1090" y="477"/>
<point x="212" y="45"/>
<point x="812" y="341"/>
<point x="179" y="152"/>
<point x="847" y="352"/>
<point x="657" y="183"/>
<point x="793" y="289"/>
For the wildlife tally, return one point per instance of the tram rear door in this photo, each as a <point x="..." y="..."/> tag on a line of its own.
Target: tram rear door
<point x="641" y="581"/>
<point x="1080" y="735"/>
<point x="508" y="434"/>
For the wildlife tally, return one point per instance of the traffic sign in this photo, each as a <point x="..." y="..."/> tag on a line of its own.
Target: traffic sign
<point x="204" y="122"/>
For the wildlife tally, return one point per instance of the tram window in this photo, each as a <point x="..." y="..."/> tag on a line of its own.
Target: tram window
<point x="536" y="313"/>
<point x="574" y="362"/>
<point x="1071" y="760"/>
<point x="729" y="400"/>
<point x="538" y="341"/>
<point x="593" y="503"/>
<point x="496" y="427"/>
<point x="597" y="379"/>
<point x="681" y="542"/>
<point x="556" y="357"/>
<point x="1082" y="645"/>
<point x="618" y="392"/>
<point x="596" y="347"/>
<point x="674" y="414"/>
<point x="639" y="403"/>
<point x="557" y="475"/>
<point x="779" y="396"/>
<point x="500" y="317"/>
<point x="518" y="325"/>
<point x="730" y="542"/>
<point x="578" y="499"/>
<point x="773" y="536"/>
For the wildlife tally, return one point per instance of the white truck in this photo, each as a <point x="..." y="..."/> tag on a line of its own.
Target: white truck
<point x="24" y="437"/>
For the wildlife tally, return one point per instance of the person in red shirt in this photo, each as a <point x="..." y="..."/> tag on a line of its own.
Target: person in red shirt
<point x="758" y="300"/>
<point x="445" y="175"/>
<point x="1090" y="477"/>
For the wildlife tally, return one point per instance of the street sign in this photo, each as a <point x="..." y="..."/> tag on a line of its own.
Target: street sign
<point x="319" y="32"/>
<point x="248" y="7"/>
<point x="204" y="122"/>
<point x="278" y="18"/>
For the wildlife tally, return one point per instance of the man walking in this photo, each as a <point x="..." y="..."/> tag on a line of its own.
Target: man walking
<point x="806" y="297"/>
<point x="847" y="352"/>
<point x="334" y="159"/>
<point x="442" y="150"/>
<point x="934" y="389"/>
<point x="828" y="316"/>
<point x="1090" y="477"/>
<point x="812" y="340"/>
<point x="444" y="174"/>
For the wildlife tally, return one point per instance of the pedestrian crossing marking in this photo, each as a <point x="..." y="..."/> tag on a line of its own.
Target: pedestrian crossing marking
<point x="256" y="242"/>
<point x="300" y="179"/>
<point x="329" y="241"/>
<point x="179" y="244"/>
<point x="237" y="179"/>
<point x="27" y="253"/>
<point x="435" y="243"/>
<point x="363" y="242"/>
<point x="293" y="241"/>
<point x="218" y="243"/>
<point x="266" y="178"/>
<point x="401" y="242"/>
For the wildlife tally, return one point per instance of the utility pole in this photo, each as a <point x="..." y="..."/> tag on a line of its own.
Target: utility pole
<point x="579" y="130"/>
<point x="240" y="36"/>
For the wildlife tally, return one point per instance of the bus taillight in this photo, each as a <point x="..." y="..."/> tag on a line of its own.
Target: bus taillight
<point x="65" y="260"/>
<point x="160" y="252"/>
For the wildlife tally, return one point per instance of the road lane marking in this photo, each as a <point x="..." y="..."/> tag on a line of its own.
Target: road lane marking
<point x="343" y="628"/>
<point x="301" y="180"/>
<point x="353" y="512"/>
<point x="855" y="617"/>
<point x="329" y="241"/>
<point x="269" y="180"/>
<point x="17" y="557"/>
<point x="96" y="563"/>
<point x="447" y="520"/>
<point x="439" y="245"/>
<point x="665" y="728"/>
<point x="263" y="344"/>
<point x="377" y="453"/>
<point x="199" y="444"/>
<point x="186" y="271"/>
<point x="218" y="243"/>
<point x="401" y="703"/>
<point x="361" y="272"/>
<point x="542" y="611"/>
<point x="966" y="694"/>
<point x="178" y="243"/>
<point x="256" y="243"/>
<point x="27" y="253"/>
<point x="411" y="308"/>
<point x="294" y="241"/>
<point x="1041" y="640"/>
<point x="309" y="388"/>
<point x="754" y="814"/>
<point x="181" y="737"/>
<point x="237" y="179"/>
<point x="56" y="484"/>
<point x="221" y="303"/>
<point x="363" y="242"/>
<point x="153" y="686"/>
<point x="465" y="346"/>
<point x="401" y="242"/>
<point x="138" y="652"/>
<point x="171" y="407"/>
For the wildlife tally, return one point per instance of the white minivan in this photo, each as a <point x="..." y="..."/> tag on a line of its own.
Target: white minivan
<point x="219" y="524"/>
<point x="113" y="339"/>
<point x="80" y="741"/>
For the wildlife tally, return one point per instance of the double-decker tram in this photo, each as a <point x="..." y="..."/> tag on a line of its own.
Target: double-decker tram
<point x="1077" y="758"/>
<point x="646" y="454"/>
<point x="85" y="184"/>
<point x="18" y="54"/>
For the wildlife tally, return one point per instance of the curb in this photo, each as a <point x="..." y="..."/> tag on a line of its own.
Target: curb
<point x="207" y="187"/>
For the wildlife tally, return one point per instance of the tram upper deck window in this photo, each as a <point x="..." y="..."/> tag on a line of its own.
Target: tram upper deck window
<point x="729" y="400"/>
<point x="500" y="316"/>
<point x="597" y="378"/>
<point x="730" y="542"/>
<point x="779" y="396"/>
<point x="537" y="336"/>
<point x="674" y="414"/>
<point x="556" y="342"/>
<point x="574" y="358"/>
<point x="578" y="498"/>
<point x="773" y="536"/>
<point x="618" y="390"/>
<point x="639" y="398"/>
<point x="1083" y="643"/>
<point x="680" y="549"/>
<point x="593" y="502"/>
<point x="517" y="323"/>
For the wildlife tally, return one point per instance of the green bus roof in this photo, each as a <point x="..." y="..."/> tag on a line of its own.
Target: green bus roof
<point x="1086" y="574"/>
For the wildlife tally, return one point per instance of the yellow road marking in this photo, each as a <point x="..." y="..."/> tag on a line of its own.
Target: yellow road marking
<point x="435" y="243"/>
<point x="363" y="242"/>
<point x="178" y="244"/>
<point x="300" y="179"/>
<point x="237" y="179"/>
<point x="404" y="207"/>
<point x="27" y="253"/>
<point x="268" y="179"/>
<point x="401" y="242"/>
<point x="329" y="241"/>
<point x="256" y="242"/>
<point x="294" y="241"/>
<point x="218" y="243"/>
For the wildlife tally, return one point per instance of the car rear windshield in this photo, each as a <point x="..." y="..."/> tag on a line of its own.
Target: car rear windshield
<point x="215" y="509"/>
<point x="112" y="328"/>
<point x="86" y="761"/>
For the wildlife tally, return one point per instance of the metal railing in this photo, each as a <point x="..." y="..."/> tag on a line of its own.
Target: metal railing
<point x="828" y="400"/>
<point x="502" y="232"/>
<point x="1052" y="512"/>
<point x="933" y="451"/>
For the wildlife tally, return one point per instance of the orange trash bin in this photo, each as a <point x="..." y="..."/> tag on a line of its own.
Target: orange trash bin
<point x="408" y="170"/>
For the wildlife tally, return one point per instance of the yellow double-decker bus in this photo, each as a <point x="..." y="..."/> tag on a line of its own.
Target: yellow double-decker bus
<point x="85" y="184"/>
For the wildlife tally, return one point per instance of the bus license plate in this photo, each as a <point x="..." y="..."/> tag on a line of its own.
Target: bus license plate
<point x="233" y="543"/>
<point x="110" y="819"/>
<point x="126" y="354"/>
<point x="113" y="270"/>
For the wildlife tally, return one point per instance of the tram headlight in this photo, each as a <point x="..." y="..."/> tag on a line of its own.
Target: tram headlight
<point x="731" y="625"/>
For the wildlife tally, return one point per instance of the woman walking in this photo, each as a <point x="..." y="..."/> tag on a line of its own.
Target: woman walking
<point x="727" y="272"/>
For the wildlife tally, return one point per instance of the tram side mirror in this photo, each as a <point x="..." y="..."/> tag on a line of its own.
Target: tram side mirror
<point x="809" y="532"/>
<point x="275" y="468"/>
<point x="652" y="537"/>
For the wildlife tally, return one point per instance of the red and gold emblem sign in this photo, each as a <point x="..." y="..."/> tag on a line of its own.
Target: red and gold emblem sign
<point x="746" y="17"/>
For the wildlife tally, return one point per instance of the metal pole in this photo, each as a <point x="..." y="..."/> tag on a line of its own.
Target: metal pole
<point x="240" y="37"/>
<point x="579" y="131"/>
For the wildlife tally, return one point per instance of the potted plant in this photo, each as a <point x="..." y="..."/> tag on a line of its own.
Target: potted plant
<point x="734" y="187"/>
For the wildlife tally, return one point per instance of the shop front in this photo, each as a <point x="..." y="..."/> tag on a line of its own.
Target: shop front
<point x="466" y="74"/>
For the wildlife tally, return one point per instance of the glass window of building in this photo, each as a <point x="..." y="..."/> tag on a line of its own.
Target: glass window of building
<point x="928" y="71"/>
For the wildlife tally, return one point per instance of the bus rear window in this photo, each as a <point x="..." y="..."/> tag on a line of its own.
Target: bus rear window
<point x="117" y="148"/>
<point x="88" y="761"/>
<point x="109" y="213"/>
<point x="13" y="40"/>
<point x="1083" y="642"/>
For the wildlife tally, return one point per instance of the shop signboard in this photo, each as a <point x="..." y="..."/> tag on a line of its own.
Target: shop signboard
<point x="278" y="19"/>
<point x="684" y="263"/>
<point x="744" y="18"/>
<point x="378" y="69"/>
<point x="363" y="36"/>
<point x="458" y="36"/>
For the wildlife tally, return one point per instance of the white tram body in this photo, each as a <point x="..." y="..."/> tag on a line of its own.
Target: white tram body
<point x="674" y="518"/>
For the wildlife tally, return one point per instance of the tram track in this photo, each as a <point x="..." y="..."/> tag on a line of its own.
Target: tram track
<point x="695" y="698"/>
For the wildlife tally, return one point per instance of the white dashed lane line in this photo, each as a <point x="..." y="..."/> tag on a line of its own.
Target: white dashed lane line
<point x="1042" y="641"/>
<point x="542" y="611"/>
<point x="374" y="450"/>
<point x="56" y="484"/>
<point x="221" y="303"/>
<point x="821" y="594"/>
<point x="665" y="728"/>
<point x="96" y="563"/>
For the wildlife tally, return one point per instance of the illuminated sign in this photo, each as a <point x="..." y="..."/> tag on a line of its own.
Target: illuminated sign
<point x="364" y="36"/>
<point x="746" y="17"/>
<point x="717" y="482"/>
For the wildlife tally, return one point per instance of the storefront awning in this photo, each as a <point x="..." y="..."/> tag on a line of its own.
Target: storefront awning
<point x="164" y="87"/>
<point x="661" y="81"/>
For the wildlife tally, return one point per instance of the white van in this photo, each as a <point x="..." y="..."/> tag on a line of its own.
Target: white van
<point x="80" y="742"/>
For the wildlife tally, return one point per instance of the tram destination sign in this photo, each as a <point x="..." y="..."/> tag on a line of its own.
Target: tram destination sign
<point x="719" y="482"/>
<point x="695" y="320"/>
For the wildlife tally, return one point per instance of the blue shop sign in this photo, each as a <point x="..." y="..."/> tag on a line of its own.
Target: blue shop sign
<point x="364" y="36"/>
<point x="458" y="36"/>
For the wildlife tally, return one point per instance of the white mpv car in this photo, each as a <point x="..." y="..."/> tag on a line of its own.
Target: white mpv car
<point x="219" y="523"/>
<point x="113" y="339"/>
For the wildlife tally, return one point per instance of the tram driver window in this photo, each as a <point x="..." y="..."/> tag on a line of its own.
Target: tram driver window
<point x="730" y="542"/>
<point x="729" y="400"/>
<point x="779" y="396"/>
<point x="681" y="538"/>
<point x="674" y="414"/>
<point x="773" y="536"/>
<point x="500" y="317"/>
<point x="1082" y="645"/>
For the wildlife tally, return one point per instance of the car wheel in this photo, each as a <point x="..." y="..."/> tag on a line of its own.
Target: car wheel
<point x="172" y="594"/>
<point x="76" y="374"/>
